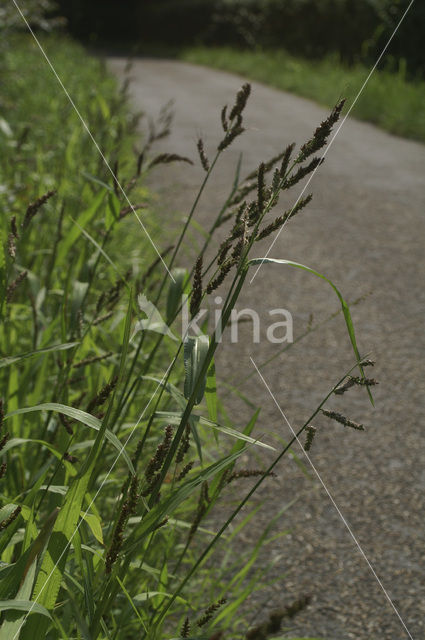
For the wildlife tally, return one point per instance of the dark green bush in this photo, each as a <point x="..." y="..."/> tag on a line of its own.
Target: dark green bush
<point x="355" y="29"/>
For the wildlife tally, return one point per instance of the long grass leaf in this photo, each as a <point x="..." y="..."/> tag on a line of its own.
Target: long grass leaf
<point x="195" y="352"/>
<point x="9" y="360"/>
<point x="344" y="305"/>
<point x="23" y="605"/>
<point x="76" y="414"/>
<point x="174" y="417"/>
<point x="84" y="218"/>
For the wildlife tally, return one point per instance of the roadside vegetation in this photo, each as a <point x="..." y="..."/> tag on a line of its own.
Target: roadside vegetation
<point x="390" y="100"/>
<point x="116" y="451"/>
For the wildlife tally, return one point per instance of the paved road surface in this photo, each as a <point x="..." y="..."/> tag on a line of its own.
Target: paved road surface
<point x="365" y="229"/>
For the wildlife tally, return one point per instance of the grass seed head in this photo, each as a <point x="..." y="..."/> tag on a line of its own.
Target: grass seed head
<point x="128" y="508"/>
<point x="344" y="386"/>
<point x="103" y="395"/>
<point x="8" y="521"/>
<point x="102" y="318"/>
<point x="185" y="630"/>
<point x="276" y="181"/>
<point x="216" y="282"/>
<point x="196" y="297"/>
<point x="3" y="441"/>
<point x="240" y="102"/>
<point x="139" y="164"/>
<point x="364" y="382"/>
<point x="11" y="246"/>
<point x="134" y="207"/>
<point x="286" y="158"/>
<point x="35" y="206"/>
<point x="274" y="622"/>
<point x="260" y="188"/>
<point x="281" y="220"/>
<point x="157" y="460"/>
<point x="301" y="173"/>
<point x="166" y="158"/>
<point x="237" y="252"/>
<point x="10" y="291"/>
<point x="248" y="473"/>
<point x="310" y="433"/>
<point x="184" y="445"/>
<point x="202" y="155"/>
<point x="367" y="363"/>
<point x="203" y="502"/>
<point x="183" y="473"/>
<point x="268" y="166"/>
<point x="233" y="133"/>
<point x="14" y="227"/>
<point x="338" y="417"/>
<point x="320" y="136"/>
<point x="224" y="122"/>
<point x="210" y="611"/>
<point x="223" y="251"/>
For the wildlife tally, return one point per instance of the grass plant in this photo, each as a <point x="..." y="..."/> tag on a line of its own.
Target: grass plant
<point x="114" y="455"/>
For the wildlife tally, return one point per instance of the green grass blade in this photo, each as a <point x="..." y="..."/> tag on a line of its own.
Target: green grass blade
<point x="80" y="416"/>
<point x="344" y="305"/>
<point x="23" y="605"/>
<point x="174" y="417"/>
<point x="76" y="414"/>
<point x="9" y="360"/>
<point x="178" y="496"/>
<point x="195" y="352"/>
<point x="74" y="233"/>
<point x="211" y="393"/>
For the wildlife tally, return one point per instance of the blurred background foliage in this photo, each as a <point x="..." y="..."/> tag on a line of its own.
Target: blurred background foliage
<point x="356" y="30"/>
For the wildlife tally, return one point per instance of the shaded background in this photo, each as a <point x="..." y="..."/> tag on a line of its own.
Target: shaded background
<point x="355" y="30"/>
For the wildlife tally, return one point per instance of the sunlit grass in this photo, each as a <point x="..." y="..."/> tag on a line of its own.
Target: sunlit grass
<point x="116" y="448"/>
<point x="389" y="100"/>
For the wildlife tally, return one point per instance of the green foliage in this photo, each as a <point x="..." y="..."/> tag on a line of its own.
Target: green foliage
<point x="38" y="13"/>
<point x="355" y="30"/>
<point x="111" y="474"/>
<point x="390" y="100"/>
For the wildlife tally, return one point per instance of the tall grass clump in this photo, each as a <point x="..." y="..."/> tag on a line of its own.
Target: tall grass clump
<point x="113" y="456"/>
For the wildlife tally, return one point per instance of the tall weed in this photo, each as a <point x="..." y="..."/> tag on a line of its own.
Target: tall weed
<point x="115" y="457"/>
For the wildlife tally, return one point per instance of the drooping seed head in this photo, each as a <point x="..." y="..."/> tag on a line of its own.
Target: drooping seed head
<point x="210" y="611"/>
<point x="35" y="206"/>
<point x="202" y="155"/>
<point x="10" y="291"/>
<point x="310" y="433"/>
<point x="338" y="417"/>
<point x="196" y="297"/>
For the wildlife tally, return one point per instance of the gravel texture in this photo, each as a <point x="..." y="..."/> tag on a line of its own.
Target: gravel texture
<point x="365" y="230"/>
